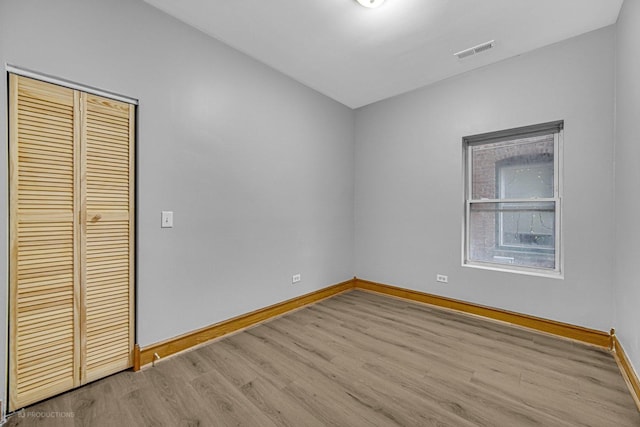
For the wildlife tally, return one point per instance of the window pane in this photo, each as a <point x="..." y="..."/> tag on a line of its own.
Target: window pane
<point x="517" y="181"/>
<point x="520" y="233"/>
<point x="520" y="168"/>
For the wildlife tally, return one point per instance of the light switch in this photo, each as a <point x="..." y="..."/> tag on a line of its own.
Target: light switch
<point x="167" y="219"/>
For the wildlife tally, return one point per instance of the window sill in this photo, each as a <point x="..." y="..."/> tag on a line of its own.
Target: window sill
<point x="517" y="270"/>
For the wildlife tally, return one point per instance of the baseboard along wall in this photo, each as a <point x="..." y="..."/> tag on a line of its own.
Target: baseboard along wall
<point x="628" y="373"/>
<point x="148" y="354"/>
<point x="586" y="335"/>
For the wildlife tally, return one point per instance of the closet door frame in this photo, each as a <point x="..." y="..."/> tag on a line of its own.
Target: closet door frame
<point x="79" y="222"/>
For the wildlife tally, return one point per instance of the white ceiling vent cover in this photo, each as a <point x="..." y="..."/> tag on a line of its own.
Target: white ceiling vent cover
<point x="476" y="49"/>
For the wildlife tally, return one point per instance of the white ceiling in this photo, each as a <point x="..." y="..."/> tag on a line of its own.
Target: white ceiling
<point x="358" y="56"/>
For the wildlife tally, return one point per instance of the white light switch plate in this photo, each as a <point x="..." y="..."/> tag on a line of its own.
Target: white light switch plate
<point x="167" y="219"/>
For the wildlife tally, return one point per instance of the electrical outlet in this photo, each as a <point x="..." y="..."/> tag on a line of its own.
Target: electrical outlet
<point x="442" y="278"/>
<point x="296" y="278"/>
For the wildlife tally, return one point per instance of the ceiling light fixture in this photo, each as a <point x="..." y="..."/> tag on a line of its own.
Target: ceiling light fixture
<point x="370" y="3"/>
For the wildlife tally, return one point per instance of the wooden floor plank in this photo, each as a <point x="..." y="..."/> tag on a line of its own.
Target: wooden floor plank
<point x="361" y="359"/>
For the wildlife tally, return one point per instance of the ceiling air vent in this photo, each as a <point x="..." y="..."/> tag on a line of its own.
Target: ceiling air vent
<point x="476" y="49"/>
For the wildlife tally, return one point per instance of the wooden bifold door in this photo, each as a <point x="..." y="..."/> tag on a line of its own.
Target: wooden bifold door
<point x="71" y="238"/>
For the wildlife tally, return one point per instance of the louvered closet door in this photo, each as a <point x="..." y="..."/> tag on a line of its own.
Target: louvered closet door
<point x="44" y="282"/>
<point x="107" y="194"/>
<point x="71" y="238"/>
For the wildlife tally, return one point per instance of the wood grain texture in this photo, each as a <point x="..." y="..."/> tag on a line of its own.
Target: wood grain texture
<point x="43" y="284"/>
<point x="579" y="333"/>
<point x="362" y="359"/>
<point x="183" y="342"/>
<point x="629" y="374"/>
<point x="72" y="244"/>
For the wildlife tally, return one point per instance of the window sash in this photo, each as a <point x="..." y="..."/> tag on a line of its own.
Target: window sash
<point x="500" y="207"/>
<point x="525" y="200"/>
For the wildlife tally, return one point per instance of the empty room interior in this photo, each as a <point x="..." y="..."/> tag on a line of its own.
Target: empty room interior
<point x="325" y="212"/>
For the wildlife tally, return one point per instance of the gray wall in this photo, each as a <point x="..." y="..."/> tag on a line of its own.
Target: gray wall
<point x="409" y="201"/>
<point x="627" y="158"/>
<point x="256" y="167"/>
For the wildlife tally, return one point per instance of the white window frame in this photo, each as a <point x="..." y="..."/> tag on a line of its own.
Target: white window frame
<point x="556" y="128"/>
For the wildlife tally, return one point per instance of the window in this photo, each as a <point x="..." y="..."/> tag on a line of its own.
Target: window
<point x="512" y="209"/>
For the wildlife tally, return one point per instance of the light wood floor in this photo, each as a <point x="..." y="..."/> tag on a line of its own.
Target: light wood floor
<point x="361" y="359"/>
